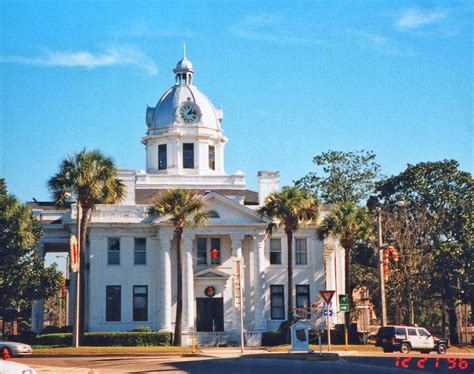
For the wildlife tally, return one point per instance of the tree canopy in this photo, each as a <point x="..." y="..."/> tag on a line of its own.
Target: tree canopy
<point x="23" y="277"/>
<point x="442" y="195"/>
<point x="342" y="176"/>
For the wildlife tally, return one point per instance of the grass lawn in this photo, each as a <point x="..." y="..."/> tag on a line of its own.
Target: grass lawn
<point x="40" y="350"/>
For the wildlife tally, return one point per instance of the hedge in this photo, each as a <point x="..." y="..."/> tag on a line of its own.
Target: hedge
<point x="270" y="339"/>
<point x="106" y="339"/>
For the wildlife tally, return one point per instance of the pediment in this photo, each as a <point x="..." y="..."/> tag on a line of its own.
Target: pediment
<point x="210" y="273"/>
<point x="229" y="213"/>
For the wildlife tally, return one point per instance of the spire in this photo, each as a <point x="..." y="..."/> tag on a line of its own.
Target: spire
<point x="184" y="51"/>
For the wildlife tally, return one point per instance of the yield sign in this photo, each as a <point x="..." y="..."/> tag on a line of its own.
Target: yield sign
<point x="327" y="295"/>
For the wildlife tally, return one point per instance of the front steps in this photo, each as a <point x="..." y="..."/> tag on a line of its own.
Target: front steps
<point x="224" y="339"/>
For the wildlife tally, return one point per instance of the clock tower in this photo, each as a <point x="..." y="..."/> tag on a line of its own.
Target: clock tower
<point x="184" y="135"/>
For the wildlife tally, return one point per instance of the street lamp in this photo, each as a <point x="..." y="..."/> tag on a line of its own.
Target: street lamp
<point x="383" y="304"/>
<point x="75" y="325"/>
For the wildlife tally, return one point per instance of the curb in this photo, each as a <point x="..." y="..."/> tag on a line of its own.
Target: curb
<point x="295" y="356"/>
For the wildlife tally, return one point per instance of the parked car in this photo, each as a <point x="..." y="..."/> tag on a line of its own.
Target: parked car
<point x="407" y="338"/>
<point x="15" y="349"/>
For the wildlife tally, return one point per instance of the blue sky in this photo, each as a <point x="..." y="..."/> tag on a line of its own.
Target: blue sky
<point x="294" y="78"/>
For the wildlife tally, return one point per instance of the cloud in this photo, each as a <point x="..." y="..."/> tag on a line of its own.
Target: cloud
<point x="379" y="43"/>
<point x="413" y="18"/>
<point x="268" y="27"/>
<point x="88" y="60"/>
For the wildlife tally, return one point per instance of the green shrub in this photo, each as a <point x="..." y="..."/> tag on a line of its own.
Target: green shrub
<point x="56" y="330"/>
<point x="54" y="339"/>
<point x="104" y="339"/>
<point x="273" y="338"/>
<point x="141" y="329"/>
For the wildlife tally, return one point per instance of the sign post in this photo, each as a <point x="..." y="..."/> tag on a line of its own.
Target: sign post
<point x="327" y="296"/>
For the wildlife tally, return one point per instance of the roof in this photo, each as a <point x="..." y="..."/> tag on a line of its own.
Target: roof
<point x="165" y="112"/>
<point x="47" y="205"/>
<point x="147" y="196"/>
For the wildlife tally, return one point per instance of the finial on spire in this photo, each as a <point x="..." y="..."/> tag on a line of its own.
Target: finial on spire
<point x="184" y="50"/>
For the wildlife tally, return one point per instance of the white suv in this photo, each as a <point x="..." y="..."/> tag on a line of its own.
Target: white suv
<point x="407" y="338"/>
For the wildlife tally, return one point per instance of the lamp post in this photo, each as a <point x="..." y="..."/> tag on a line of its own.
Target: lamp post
<point x="383" y="304"/>
<point x="75" y="326"/>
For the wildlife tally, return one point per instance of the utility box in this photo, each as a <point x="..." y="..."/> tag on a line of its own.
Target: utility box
<point x="300" y="337"/>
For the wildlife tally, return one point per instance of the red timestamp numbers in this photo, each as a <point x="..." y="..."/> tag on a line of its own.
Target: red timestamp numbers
<point x="422" y="363"/>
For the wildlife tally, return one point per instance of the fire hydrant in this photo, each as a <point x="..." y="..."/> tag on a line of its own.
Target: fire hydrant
<point x="5" y="353"/>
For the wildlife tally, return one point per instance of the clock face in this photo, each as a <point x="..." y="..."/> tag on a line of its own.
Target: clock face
<point x="189" y="112"/>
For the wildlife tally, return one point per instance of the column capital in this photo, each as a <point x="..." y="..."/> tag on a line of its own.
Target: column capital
<point x="166" y="234"/>
<point x="236" y="244"/>
<point x="188" y="238"/>
<point x="236" y="239"/>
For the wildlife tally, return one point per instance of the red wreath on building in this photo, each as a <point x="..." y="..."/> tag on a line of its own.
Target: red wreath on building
<point x="390" y="250"/>
<point x="214" y="254"/>
<point x="210" y="291"/>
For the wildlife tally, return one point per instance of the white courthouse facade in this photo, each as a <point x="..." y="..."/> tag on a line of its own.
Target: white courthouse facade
<point x="131" y="256"/>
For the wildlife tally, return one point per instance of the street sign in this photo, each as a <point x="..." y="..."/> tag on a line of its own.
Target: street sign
<point x="343" y="303"/>
<point x="327" y="309"/>
<point x="327" y="295"/>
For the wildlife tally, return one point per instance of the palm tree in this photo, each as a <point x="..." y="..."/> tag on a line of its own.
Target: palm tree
<point x="185" y="208"/>
<point x="350" y="224"/>
<point x="91" y="177"/>
<point x="290" y="209"/>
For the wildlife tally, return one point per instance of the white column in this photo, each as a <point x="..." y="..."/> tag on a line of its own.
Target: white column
<point x="259" y="268"/>
<point x="165" y="280"/>
<point x="188" y="284"/>
<point x="236" y="243"/>
<point x="37" y="308"/>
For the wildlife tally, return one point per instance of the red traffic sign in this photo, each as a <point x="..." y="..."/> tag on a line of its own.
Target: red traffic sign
<point x="327" y="295"/>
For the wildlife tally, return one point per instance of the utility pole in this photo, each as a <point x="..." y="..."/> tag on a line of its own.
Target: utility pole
<point x="383" y="305"/>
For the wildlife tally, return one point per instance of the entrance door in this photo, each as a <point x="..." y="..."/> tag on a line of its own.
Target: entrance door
<point x="210" y="314"/>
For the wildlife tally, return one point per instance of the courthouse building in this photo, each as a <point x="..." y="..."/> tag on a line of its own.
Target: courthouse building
<point x="131" y="256"/>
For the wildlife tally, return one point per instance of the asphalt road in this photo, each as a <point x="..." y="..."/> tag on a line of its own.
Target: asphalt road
<point x="271" y="364"/>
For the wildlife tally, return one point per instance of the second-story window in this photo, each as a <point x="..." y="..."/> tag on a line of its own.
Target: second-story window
<point x="113" y="254"/>
<point x="188" y="155"/>
<point x="301" y="254"/>
<point x="275" y="251"/>
<point x="215" y="251"/>
<point x="202" y="251"/>
<point x="208" y="251"/>
<point x="162" y="157"/>
<point x="140" y="251"/>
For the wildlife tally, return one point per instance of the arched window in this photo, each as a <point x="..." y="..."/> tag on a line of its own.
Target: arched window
<point x="213" y="214"/>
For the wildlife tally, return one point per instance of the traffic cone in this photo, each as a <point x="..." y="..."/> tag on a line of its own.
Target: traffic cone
<point x="5" y="354"/>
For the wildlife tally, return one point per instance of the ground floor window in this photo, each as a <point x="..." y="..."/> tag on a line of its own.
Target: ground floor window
<point x="113" y="301"/>
<point x="302" y="301"/>
<point x="277" y="302"/>
<point x="140" y="303"/>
